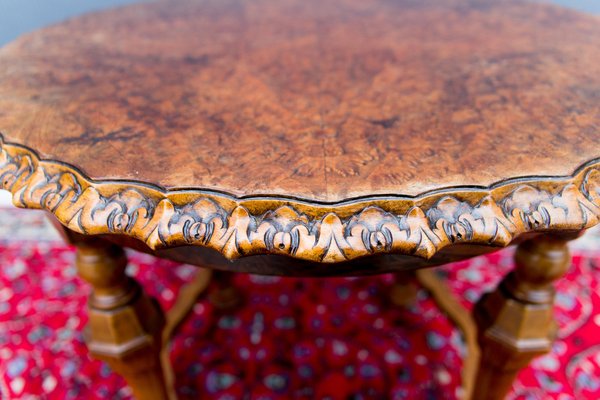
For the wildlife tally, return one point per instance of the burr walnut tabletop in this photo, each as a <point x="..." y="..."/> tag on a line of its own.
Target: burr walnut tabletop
<point x="321" y="130"/>
<point x="310" y="137"/>
<point x="317" y="100"/>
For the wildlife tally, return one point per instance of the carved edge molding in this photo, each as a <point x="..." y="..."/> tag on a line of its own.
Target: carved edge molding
<point x="332" y="233"/>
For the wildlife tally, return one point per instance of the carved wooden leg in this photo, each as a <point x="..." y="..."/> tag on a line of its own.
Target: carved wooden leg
<point x="223" y="294"/>
<point x="515" y="322"/>
<point x="125" y="325"/>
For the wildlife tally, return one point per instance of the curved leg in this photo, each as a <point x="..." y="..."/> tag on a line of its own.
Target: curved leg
<point x="516" y="321"/>
<point x="125" y="325"/>
<point x="459" y="315"/>
<point x="186" y="299"/>
<point x="403" y="293"/>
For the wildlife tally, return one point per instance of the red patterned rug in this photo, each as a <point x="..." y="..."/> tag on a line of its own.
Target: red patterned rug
<point x="293" y="339"/>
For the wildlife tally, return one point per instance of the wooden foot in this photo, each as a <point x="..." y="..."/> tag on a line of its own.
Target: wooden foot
<point x="125" y="325"/>
<point x="515" y="322"/>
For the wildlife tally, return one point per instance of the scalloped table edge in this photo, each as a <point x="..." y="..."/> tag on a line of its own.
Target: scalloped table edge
<point x="327" y="233"/>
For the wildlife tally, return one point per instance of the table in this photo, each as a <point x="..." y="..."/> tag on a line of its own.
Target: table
<point x="309" y="138"/>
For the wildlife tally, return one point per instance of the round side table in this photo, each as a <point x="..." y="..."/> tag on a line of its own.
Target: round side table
<point x="309" y="138"/>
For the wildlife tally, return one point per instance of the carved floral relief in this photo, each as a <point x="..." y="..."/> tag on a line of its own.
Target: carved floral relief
<point x="154" y="217"/>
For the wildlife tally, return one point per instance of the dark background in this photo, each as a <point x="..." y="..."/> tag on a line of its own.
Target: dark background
<point x="21" y="16"/>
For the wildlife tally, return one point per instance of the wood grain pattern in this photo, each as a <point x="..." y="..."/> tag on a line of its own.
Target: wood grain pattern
<point x="316" y="99"/>
<point x="345" y="231"/>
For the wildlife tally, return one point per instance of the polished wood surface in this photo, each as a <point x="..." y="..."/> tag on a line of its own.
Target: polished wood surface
<point x="428" y="227"/>
<point x="321" y="100"/>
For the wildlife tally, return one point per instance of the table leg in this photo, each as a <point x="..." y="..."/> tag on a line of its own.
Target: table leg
<point x="515" y="322"/>
<point x="451" y="306"/>
<point x="403" y="292"/>
<point x="186" y="299"/>
<point x="223" y="295"/>
<point x="125" y="325"/>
